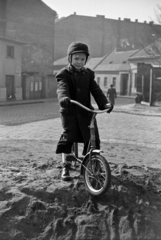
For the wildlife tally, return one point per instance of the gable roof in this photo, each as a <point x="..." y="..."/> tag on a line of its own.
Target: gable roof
<point x="148" y="55"/>
<point x="116" y="61"/>
<point x="143" y="53"/>
<point x="92" y="63"/>
<point x="61" y="61"/>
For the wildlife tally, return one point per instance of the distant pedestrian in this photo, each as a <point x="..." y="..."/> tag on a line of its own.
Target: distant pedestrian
<point x="111" y="93"/>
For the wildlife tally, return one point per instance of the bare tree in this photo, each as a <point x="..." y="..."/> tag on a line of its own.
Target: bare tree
<point x="158" y="13"/>
<point x="151" y="36"/>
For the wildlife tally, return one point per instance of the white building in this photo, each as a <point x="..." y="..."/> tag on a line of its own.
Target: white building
<point x="115" y="69"/>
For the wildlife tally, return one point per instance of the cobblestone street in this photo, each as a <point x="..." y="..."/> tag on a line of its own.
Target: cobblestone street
<point x="19" y="114"/>
<point x="42" y="122"/>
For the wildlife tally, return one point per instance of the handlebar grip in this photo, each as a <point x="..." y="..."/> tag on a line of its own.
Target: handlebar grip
<point x="108" y="105"/>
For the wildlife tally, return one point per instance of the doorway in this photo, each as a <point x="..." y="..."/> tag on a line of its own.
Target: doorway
<point x="10" y="87"/>
<point x="124" y="84"/>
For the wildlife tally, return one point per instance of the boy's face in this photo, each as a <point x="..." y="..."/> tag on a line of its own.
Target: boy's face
<point x="78" y="60"/>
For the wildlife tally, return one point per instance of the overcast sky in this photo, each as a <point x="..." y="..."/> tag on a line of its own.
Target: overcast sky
<point x="134" y="9"/>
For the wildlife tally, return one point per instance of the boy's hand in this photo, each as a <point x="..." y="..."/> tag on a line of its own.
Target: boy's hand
<point x="109" y="106"/>
<point x="64" y="102"/>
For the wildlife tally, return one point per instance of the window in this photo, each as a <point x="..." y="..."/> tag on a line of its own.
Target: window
<point x="105" y="81"/>
<point x="31" y="86"/>
<point x="36" y="86"/>
<point x="10" y="51"/>
<point x="10" y="87"/>
<point x="40" y="86"/>
<point x="114" y="81"/>
<point x="98" y="80"/>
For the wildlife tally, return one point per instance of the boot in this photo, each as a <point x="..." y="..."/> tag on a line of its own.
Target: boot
<point x="65" y="176"/>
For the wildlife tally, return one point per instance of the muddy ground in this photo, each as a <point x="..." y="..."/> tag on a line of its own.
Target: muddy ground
<point x="35" y="204"/>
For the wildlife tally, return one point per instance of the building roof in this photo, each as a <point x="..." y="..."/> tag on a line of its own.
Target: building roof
<point x="91" y="63"/>
<point x="155" y="62"/>
<point x="116" y="61"/>
<point x="61" y="61"/>
<point x="148" y="55"/>
<point x="142" y="54"/>
<point x="113" y="68"/>
<point x="150" y="51"/>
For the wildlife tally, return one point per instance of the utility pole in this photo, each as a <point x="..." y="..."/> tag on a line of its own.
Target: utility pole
<point x="143" y="86"/>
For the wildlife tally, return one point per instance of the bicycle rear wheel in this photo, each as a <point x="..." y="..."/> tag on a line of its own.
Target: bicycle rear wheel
<point x="97" y="175"/>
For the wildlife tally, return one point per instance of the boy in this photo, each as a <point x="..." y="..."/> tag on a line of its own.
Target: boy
<point x="76" y="82"/>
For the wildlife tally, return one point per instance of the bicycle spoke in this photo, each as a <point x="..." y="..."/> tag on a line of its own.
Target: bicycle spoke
<point x="96" y="178"/>
<point x="97" y="175"/>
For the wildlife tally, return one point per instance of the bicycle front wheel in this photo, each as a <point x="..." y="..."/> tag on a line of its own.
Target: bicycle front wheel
<point x="97" y="175"/>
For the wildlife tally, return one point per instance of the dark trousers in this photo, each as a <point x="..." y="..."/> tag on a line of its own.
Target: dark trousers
<point x="66" y="147"/>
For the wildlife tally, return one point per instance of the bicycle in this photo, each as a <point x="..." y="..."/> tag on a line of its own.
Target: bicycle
<point x="94" y="167"/>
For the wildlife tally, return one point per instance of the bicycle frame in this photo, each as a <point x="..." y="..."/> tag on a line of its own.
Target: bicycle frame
<point x="92" y="132"/>
<point x="92" y="143"/>
<point x="96" y="180"/>
<point x="92" y="127"/>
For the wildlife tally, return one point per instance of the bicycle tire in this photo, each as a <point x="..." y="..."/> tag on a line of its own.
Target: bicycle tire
<point x="99" y="181"/>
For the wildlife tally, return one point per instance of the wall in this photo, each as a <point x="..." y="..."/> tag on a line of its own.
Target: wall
<point x="80" y="28"/>
<point x="100" y="33"/>
<point x="133" y="67"/>
<point x="10" y="66"/>
<point x="109" y="76"/>
<point x="131" y="88"/>
<point x="2" y="17"/>
<point x="33" y="23"/>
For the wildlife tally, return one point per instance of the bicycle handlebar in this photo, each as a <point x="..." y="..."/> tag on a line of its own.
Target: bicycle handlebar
<point x="90" y="110"/>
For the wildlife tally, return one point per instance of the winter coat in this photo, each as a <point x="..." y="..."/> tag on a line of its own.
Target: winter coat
<point x="112" y="95"/>
<point x="78" y="86"/>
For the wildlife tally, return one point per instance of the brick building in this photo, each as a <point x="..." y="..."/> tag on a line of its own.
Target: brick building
<point x="33" y="23"/>
<point x="100" y="33"/>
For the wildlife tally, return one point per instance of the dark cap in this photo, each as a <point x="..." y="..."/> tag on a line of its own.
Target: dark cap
<point x="77" y="47"/>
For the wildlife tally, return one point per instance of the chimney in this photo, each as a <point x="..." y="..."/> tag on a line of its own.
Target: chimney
<point x="136" y="20"/>
<point x="119" y="18"/>
<point x="151" y="22"/>
<point x="74" y="13"/>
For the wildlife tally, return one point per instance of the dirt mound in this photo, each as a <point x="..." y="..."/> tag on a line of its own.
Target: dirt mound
<point x="35" y="204"/>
